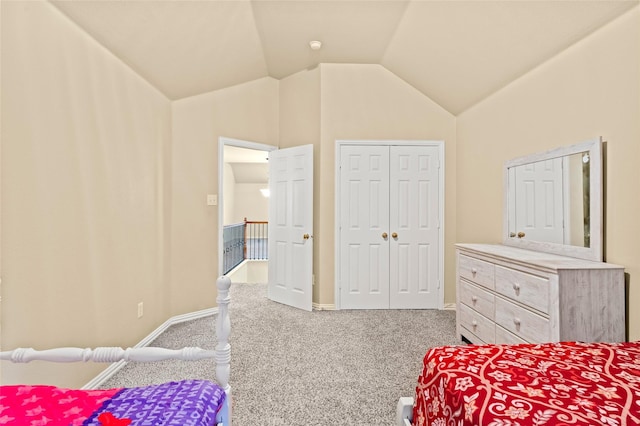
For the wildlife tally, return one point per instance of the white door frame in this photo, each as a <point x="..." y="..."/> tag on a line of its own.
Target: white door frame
<point x="437" y="144"/>
<point x="222" y="141"/>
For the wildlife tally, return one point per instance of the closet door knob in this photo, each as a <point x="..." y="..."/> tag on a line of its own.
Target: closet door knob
<point x="384" y="235"/>
<point x="394" y="235"/>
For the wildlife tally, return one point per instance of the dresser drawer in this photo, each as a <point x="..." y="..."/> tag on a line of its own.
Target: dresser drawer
<point x="503" y="337"/>
<point x="527" y="289"/>
<point x="521" y="322"/>
<point x="475" y="297"/>
<point x="537" y="296"/>
<point x="477" y="324"/>
<point x="478" y="271"/>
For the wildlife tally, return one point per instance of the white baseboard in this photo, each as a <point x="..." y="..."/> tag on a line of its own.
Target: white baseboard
<point x="323" y="307"/>
<point x="332" y="307"/>
<point x="97" y="381"/>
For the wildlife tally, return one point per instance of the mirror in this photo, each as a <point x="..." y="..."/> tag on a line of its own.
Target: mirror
<point x="553" y="201"/>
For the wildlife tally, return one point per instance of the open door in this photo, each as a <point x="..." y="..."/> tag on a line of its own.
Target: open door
<point x="291" y="226"/>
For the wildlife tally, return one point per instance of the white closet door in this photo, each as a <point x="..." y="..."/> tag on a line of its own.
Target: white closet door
<point x="389" y="227"/>
<point x="414" y="226"/>
<point x="364" y="219"/>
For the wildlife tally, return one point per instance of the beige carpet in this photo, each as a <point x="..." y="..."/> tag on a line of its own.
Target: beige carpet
<point x="292" y="367"/>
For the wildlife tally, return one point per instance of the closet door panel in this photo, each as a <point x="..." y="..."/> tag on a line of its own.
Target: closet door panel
<point x="364" y="218"/>
<point x="414" y="225"/>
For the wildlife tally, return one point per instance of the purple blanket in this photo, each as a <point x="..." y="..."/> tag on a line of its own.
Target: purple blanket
<point x="185" y="403"/>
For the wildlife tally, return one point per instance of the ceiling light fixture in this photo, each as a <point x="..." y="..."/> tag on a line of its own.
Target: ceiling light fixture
<point x="315" y="45"/>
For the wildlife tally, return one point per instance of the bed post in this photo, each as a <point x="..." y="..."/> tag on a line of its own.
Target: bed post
<point x="223" y="348"/>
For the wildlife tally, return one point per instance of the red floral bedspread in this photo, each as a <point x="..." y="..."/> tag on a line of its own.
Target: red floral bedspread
<point x="530" y="384"/>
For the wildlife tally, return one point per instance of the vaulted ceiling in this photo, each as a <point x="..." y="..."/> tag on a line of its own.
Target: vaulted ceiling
<point x="456" y="52"/>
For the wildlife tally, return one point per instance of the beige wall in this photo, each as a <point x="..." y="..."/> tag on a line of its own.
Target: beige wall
<point x="104" y="184"/>
<point x="300" y="125"/>
<point x="85" y="144"/>
<point x="592" y="89"/>
<point x="229" y="183"/>
<point x="346" y="101"/>
<point x="370" y="102"/>
<point x="243" y="200"/>
<point x="300" y="109"/>
<point x="250" y="203"/>
<point x="248" y="112"/>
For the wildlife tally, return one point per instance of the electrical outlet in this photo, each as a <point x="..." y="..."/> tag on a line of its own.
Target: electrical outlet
<point x="212" y="200"/>
<point x="140" y="309"/>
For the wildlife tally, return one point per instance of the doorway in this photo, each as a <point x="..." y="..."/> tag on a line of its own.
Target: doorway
<point x="243" y="171"/>
<point x="288" y="174"/>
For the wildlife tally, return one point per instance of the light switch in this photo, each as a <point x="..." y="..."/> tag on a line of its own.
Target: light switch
<point x="212" y="200"/>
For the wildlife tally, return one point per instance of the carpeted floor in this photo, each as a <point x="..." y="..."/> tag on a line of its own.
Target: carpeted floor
<point x="292" y="367"/>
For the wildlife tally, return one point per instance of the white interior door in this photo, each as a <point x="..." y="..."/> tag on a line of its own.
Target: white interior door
<point x="415" y="227"/>
<point x="389" y="227"/>
<point x="291" y="226"/>
<point x="539" y="201"/>
<point x="364" y="227"/>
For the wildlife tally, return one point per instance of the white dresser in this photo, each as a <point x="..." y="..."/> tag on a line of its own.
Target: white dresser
<point x="511" y="295"/>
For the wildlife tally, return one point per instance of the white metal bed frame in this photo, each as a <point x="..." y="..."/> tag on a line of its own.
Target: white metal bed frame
<point x="221" y="353"/>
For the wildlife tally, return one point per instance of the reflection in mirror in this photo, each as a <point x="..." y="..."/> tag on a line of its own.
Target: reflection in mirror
<point x="551" y="198"/>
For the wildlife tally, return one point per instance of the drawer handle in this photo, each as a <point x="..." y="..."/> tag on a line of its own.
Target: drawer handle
<point x="474" y="299"/>
<point x="516" y="321"/>
<point x="474" y="271"/>
<point x="474" y="323"/>
<point x="516" y="287"/>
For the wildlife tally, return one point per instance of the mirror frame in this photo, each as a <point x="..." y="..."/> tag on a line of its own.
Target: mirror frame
<point x="595" y="250"/>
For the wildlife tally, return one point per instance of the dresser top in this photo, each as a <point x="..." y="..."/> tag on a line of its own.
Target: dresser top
<point x="532" y="258"/>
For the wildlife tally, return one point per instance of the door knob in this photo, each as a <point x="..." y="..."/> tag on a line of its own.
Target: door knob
<point x="520" y="234"/>
<point x="394" y="235"/>
<point x="305" y="236"/>
<point x="384" y="235"/>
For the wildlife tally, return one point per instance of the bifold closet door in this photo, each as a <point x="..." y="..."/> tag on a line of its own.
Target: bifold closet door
<point x="364" y="232"/>
<point x="415" y="226"/>
<point x="389" y="244"/>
